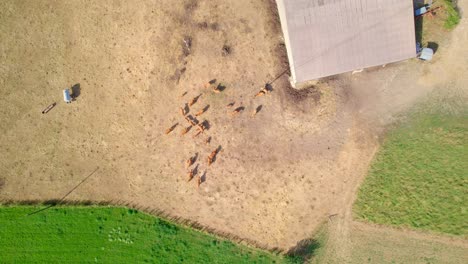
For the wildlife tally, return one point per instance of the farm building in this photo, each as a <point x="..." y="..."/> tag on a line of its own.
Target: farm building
<point x="328" y="37"/>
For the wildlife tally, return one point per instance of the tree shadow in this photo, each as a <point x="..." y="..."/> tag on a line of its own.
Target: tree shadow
<point x="75" y="91"/>
<point x="304" y="250"/>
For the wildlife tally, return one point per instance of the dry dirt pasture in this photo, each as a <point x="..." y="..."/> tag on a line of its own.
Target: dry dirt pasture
<point x="377" y="244"/>
<point x="278" y="175"/>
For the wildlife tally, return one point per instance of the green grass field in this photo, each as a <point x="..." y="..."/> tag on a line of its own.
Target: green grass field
<point x="453" y="18"/>
<point x="419" y="178"/>
<point x="112" y="235"/>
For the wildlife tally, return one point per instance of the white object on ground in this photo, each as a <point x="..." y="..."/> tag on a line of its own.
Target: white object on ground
<point x="426" y="54"/>
<point x="66" y="96"/>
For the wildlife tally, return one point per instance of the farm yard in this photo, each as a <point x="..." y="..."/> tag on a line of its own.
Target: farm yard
<point x="169" y="112"/>
<point x="133" y="66"/>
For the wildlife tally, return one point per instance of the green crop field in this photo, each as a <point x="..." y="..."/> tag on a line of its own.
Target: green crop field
<point x="112" y="235"/>
<point x="419" y="179"/>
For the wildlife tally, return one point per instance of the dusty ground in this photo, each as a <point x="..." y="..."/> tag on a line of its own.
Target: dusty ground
<point x="278" y="175"/>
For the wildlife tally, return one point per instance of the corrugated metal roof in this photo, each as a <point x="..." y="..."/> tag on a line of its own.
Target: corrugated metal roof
<point x="327" y="37"/>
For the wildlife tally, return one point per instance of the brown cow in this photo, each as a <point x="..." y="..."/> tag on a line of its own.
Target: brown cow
<point x="197" y="134"/>
<point x="191" y="120"/>
<point x="208" y="84"/>
<point x="194" y="100"/>
<point x="201" y="127"/>
<point x="230" y="104"/>
<point x="255" y="112"/>
<point x="199" y="181"/>
<point x="190" y="175"/>
<point x="187" y="129"/>
<point x="199" y="113"/>
<point x="203" y="110"/>
<point x="212" y="156"/>
<point x="261" y="93"/>
<point x="189" y="162"/>
<point x="169" y="130"/>
<point x="237" y="110"/>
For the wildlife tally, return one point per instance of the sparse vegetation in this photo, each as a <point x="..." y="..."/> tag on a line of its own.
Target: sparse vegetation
<point x="453" y="18"/>
<point x="418" y="179"/>
<point x="112" y="235"/>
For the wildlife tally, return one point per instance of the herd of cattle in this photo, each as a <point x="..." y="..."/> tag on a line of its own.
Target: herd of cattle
<point x="201" y="127"/>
